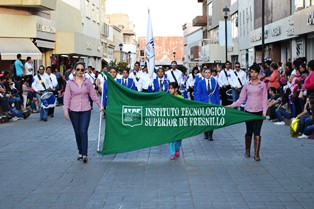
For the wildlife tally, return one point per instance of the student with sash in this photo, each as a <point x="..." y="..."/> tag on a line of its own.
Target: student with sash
<point x="224" y="82"/>
<point x="135" y="74"/>
<point x="126" y="81"/>
<point x="175" y="75"/>
<point x="237" y="81"/>
<point x="160" y="83"/>
<point x="41" y="85"/>
<point x="207" y="91"/>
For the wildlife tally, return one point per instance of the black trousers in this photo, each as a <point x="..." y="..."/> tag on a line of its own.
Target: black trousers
<point x="224" y="97"/>
<point x="254" y="126"/>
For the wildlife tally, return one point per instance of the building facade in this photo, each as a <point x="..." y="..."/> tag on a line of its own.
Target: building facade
<point x="167" y="49"/>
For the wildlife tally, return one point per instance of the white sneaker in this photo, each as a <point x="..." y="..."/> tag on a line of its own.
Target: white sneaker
<point x="267" y="117"/>
<point x="14" y="118"/>
<point x="303" y="136"/>
<point x="281" y="123"/>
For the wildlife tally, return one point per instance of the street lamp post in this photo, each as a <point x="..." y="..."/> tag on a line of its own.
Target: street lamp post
<point x="121" y="47"/>
<point x="263" y="31"/>
<point x="129" y="53"/>
<point x="174" y="56"/>
<point x="226" y="12"/>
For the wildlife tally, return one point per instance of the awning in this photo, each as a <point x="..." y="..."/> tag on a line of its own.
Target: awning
<point x="10" y="47"/>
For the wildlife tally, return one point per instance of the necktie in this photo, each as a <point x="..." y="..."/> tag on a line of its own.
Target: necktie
<point x="208" y="86"/>
<point x="161" y="85"/>
<point x="124" y="82"/>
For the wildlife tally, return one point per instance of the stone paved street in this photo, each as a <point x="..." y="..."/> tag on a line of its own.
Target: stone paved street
<point x="39" y="170"/>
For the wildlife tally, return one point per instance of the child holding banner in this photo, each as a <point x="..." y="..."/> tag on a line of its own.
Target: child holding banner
<point x="254" y="93"/>
<point x="174" y="147"/>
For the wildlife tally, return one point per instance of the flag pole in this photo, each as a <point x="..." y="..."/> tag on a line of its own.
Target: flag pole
<point x="100" y="116"/>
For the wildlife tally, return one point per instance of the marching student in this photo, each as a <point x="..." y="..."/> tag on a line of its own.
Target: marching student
<point x="254" y="93"/>
<point x="135" y="74"/>
<point x="190" y="82"/>
<point x="207" y="91"/>
<point x="160" y="83"/>
<point x="174" y="147"/>
<point x="175" y="75"/>
<point x="126" y="81"/>
<point x="77" y="107"/>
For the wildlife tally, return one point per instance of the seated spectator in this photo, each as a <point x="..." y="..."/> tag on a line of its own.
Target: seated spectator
<point x="304" y="117"/>
<point x="286" y="108"/>
<point x="273" y="103"/>
<point x="309" y="127"/>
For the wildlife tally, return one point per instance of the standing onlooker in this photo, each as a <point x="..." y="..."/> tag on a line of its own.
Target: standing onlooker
<point x="19" y="68"/>
<point x="207" y="91"/>
<point x="77" y="107"/>
<point x="29" y="69"/>
<point x="41" y="85"/>
<point x="54" y="82"/>
<point x="273" y="79"/>
<point x="255" y="90"/>
<point x="174" y="147"/>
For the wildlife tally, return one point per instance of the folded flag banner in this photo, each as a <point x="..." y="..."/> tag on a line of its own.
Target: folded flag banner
<point x="136" y="120"/>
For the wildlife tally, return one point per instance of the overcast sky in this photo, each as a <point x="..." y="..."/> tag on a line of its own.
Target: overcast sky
<point x="167" y="16"/>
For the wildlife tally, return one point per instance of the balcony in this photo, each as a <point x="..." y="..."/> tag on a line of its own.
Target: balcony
<point x="200" y="21"/>
<point x="37" y="4"/>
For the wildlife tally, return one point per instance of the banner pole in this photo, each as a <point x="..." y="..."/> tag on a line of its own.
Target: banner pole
<point x="101" y="113"/>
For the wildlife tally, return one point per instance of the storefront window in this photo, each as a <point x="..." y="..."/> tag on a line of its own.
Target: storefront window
<point x="210" y="14"/>
<point x="233" y="1"/>
<point x="298" y="5"/>
<point x="234" y="20"/>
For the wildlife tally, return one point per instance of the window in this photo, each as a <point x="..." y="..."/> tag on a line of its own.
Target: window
<point x="308" y="3"/>
<point x="234" y="19"/>
<point x="210" y="14"/>
<point x="142" y="53"/>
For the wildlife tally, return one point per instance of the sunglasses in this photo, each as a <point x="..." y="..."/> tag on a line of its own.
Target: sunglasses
<point x="80" y="69"/>
<point x="237" y="66"/>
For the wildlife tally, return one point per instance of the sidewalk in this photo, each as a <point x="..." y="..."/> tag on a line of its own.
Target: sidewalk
<point x="39" y="170"/>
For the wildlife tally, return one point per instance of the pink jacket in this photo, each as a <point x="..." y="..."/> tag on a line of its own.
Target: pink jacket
<point x="76" y="97"/>
<point x="255" y="97"/>
<point x="309" y="82"/>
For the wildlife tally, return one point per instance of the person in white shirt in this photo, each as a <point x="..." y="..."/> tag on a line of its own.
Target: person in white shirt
<point x="41" y="85"/>
<point x="54" y="83"/>
<point x="175" y="75"/>
<point x="101" y="79"/>
<point x="224" y="82"/>
<point x="135" y="74"/>
<point x="145" y="82"/>
<point x="190" y="82"/>
<point x="238" y="79"/>
<point x="29" y="69"/>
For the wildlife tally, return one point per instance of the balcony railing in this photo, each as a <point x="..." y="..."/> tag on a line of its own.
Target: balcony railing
<point x="38" y="4"/>
<point x="200" y="21"/>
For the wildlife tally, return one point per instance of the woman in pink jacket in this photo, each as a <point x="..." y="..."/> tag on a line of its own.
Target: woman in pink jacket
<point x="77" y="107"/>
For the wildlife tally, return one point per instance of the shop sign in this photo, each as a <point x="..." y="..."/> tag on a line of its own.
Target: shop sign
<point x="89" y="46"/>
<point x="45" y="28"/>
<point x="310" y="18"/>
<point x="275" y="31"/>
<point x="290" y="31"/>
<point x="258" y="37"/>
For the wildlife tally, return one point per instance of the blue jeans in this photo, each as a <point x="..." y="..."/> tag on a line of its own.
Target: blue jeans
<point x="174" y="146"/>
<point x="235" y="94"/>
<point x="308" y="126"/>
<point x="43" y="112"/>
<point x="302" y="122"/>
<point x="283" y="113"/>
<point x="80" y="123"/>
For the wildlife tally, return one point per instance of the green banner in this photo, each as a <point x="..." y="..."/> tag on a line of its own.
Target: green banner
<point x="136" y="120"/>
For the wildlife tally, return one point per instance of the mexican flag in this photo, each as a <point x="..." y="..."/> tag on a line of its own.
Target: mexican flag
<point x="136" y="120"/>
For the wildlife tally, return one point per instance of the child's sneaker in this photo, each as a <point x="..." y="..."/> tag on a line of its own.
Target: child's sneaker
<point x="172" y="157"/>
<point x="177" y="153"/>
